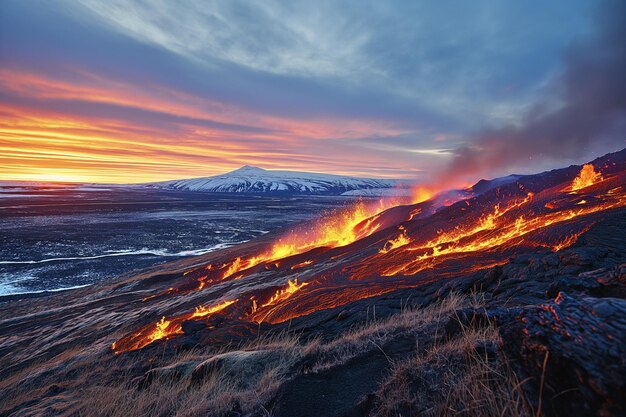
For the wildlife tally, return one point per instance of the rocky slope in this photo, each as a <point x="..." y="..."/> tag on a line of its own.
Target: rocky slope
<point x="510" y="302"/>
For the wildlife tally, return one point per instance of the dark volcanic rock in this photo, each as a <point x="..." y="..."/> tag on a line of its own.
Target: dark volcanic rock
<point x="243" y="367"/>
<point x="168" y="374"/>
<point x="581" y="256"/>
<point x="335" y="392"/>
<point x="583" y="344"/>
<point x="192" y="326"/>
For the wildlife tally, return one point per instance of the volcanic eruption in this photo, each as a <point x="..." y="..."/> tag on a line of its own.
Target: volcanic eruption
<point x="373" y="249"/>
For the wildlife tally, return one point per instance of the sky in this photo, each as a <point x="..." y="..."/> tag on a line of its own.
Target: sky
<point x="137" y="90"/>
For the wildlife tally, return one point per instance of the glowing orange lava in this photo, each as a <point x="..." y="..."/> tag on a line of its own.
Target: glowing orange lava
<point x="423" y="193"/>
<point x="338" y="229"/>
<point x="201" y="311"/>
<point x="586" y="177"/>
<point x="164" y="329"/>
<point x="280" y="296"/>
<point x="292" y="286"/>
<point x="399" y="241"/>
<point x="471" y="235"/>
<point x="492" y="231"/>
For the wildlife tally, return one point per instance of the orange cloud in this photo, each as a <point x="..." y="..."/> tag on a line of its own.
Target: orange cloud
<point x="39" y="140"/>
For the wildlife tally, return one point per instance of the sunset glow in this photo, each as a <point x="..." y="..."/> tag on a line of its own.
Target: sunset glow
<point x="121" y="92"/>
<point x="48" y="145"/>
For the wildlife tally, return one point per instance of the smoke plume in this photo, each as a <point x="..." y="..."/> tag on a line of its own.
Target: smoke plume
<point x="592" y="116"/>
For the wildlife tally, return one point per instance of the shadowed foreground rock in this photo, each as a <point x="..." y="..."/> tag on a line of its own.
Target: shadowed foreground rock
<point x="582" y="342"/>
<point x="244" y="367"/>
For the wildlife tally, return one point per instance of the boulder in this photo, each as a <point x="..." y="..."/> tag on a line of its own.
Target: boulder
<point x="582" y="256"/>
<point x="581" y="342"/>
<point x="170" y="373"/>
<point x="244" y="368"/>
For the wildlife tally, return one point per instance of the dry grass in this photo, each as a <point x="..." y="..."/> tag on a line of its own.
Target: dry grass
<point x="456" y="380"/>
<point x="485" y="389"/>
<point x="218" y="394"/>
<point x="375" y="334"/>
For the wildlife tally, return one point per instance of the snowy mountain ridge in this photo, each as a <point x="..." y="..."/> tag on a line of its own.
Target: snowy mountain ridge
<point x="249" y="179"/>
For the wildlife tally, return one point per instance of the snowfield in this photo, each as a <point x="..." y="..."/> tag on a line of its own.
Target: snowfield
<point x="257" y="180"/>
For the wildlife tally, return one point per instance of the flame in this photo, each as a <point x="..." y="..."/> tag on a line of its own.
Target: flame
<point x="235" y="266"/>
<point x="586" y="177"/>
<point x="281" y="295"/>
<point x="164" y="329"/>
<point x="201" y="311"/>
<point x="422" y="193"/>
<point x="335" y="231"/>
<point x="399" y="241"/>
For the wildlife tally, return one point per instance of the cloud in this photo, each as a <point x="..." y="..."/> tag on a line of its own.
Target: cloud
<point x="449" y="61"/>
<point x="589" y="119"/>
<point x="385" y="88"/>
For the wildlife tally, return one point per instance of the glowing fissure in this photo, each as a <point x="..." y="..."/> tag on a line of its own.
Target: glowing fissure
<point x="399" y="241"/>
<point x="302" y="264"/>
<point x="472" y="239"/>
<point x="281" y="295"/>
<point x="165" y="328"/>
<point x="201" y="311"/>
<point x="487" y="222"/>
<point x="568" y="240"/>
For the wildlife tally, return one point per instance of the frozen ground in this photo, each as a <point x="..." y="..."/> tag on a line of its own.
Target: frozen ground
<point x="68" y="238"/>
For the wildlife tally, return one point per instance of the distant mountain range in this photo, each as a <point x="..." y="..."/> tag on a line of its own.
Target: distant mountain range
<point x="245" y="180"/>
<point x="249" y="179"/>
<point x="254" y="180"/>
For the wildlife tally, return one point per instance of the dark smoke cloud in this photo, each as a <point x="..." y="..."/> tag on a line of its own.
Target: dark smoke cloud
<point x="592" y="118"/>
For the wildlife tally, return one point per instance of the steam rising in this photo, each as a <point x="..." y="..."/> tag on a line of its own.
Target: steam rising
<point x="592" y="116"/>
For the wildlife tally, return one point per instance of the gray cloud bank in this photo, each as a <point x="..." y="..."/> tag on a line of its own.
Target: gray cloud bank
<point x="590" y="118"/>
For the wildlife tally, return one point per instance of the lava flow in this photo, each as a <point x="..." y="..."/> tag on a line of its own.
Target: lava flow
<point x="259" y="314"/>
<point x="372" y="250"/>
<point x="164" y="328"/>
<point x="587" y="177"/>
<point x="339" y="229"/>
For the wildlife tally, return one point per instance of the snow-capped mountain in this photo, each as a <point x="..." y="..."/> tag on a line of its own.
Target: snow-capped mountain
<point x="257" y="180"/>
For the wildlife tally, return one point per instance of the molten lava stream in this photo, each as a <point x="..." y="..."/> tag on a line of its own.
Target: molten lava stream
<point x="399" y="241"/>
<point x="164" y="329"/>
<point x="484" y="223"/>
<point x="403" y="254"/>
<point x="259" y="314"/>
<point x="339" y="229"/>
<point x="323" y="298"/>
<point x="503" y="231"/>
